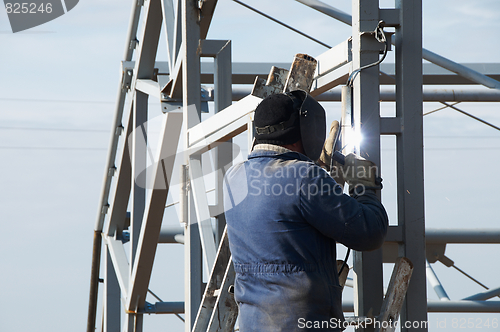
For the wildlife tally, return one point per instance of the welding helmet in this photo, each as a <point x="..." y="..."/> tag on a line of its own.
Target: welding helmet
<point x="285" y="118"/>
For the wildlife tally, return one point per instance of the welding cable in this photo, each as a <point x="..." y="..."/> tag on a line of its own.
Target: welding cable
<point x="345" y="261"/>
<point x="380" y="36"/>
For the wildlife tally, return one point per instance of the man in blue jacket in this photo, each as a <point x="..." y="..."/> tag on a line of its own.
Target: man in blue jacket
<point x="285" y="214"/>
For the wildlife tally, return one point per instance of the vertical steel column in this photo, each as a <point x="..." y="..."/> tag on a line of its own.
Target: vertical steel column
<point x="111" y="303"/>
<point x="138" y="201"/>
<point x="365" y="50"/>
<point x="222" y="99"/>
<point x="191" y="96"/>
<point x="410" y="159"/>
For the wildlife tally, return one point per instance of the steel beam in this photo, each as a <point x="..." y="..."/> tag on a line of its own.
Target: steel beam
<point x="436" y="235"/>
<point x="138" y="193"/>
<point x="368" y="278"/>
<point x="435" y="283"/>
<point x="245" y="72"/>
<point x="202" y="212"/>
<point x="161" y="173"/>
<point x="111" y="301"/>
<point x="223" y="154"/>
<point x="484" y="295"/>
<point x="409" y="149"/>
<point x="463" y="306"/>
<point x="457" y="68"/>
<point x="120" y="263"/>
<point x="191" y="84"/>
<point x="448" y="307"/>
<point x="429" y="95"/>
<point x="116" y="222"/>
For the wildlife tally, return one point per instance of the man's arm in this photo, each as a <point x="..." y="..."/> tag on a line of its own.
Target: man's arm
<point x="358" y="222"/>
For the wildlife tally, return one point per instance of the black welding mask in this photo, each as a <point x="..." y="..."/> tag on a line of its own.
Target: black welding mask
<point x="285" y="118"/>
<point x="312" y="120"/>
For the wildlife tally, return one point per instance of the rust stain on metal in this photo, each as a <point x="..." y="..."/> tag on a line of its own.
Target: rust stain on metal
<point x="301" y="73"/>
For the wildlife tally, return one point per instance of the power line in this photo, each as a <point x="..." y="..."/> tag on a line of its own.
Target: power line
<point x="50" y="148"/>
<point x="55" y="129"/>
<point x="57" y="101"/>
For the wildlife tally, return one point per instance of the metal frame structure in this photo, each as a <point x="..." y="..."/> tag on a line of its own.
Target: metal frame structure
<point x="130" y="184"/>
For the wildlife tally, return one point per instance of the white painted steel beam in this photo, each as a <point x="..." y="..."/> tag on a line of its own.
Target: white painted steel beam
<point x="220" y="136"/>
<point x="484" y="295"/>
<point x="202" y="212"/>
<point x="161" y="173"/>
<point x="222" y="119"/>
<point x="333" y="58"/>
<point x="111" y="297"/>
<point x="120" y="263"/>
<point x="435" y="283"/>
<point x="119" y="203"/>
<point x="170" y="30"/>
<point x="148" y="87"/>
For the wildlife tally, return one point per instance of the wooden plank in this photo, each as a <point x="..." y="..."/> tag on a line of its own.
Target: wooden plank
<point x="395" y="295"/>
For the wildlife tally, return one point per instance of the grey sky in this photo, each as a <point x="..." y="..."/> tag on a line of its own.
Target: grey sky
<point x="61" y="79"/>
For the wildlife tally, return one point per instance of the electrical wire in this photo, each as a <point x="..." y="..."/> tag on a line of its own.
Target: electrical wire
<point x="470" y="115"/>
<point x="55" y="129"/>
<point x="441" y="108"/>
<point x="283" y="24"/>
<point x="380" y="36"/>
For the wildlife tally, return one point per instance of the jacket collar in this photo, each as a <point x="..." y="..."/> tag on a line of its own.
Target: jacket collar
<point x="271" y="150"/>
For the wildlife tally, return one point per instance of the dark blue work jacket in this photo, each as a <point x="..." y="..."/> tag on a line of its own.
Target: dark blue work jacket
<point x="284" y="215"/>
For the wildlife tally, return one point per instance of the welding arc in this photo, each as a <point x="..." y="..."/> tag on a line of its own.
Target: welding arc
<point x="283" y="24"/>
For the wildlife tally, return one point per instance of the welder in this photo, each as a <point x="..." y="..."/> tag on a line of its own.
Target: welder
<point x="285" y="215"/>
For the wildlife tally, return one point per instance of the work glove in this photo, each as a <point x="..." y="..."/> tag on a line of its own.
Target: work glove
<point x="325" y="160"/>
<point x="360" y="174"/>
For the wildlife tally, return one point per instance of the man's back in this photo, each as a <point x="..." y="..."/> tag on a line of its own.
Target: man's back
<point x="284" y="215"/>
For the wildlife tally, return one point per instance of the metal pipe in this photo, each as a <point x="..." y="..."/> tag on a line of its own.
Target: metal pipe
<point x="448" y="306"/>
<point x="463" y="306"/>
<point x="426" y="54"/>
<point x="435" y="283"/>
<point x="484" y="295"/>
<point x="436" y="235"/>
<point x="171" y="234"/>
<point x="459" y="69"/>
<point x="165" y="308"/>
<point x="110" y="164"/>
<point x="429" y="95"/>
<point x="328" y="10"/>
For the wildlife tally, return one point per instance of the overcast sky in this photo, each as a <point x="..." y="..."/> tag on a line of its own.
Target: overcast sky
<point x="58" y="83"/>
